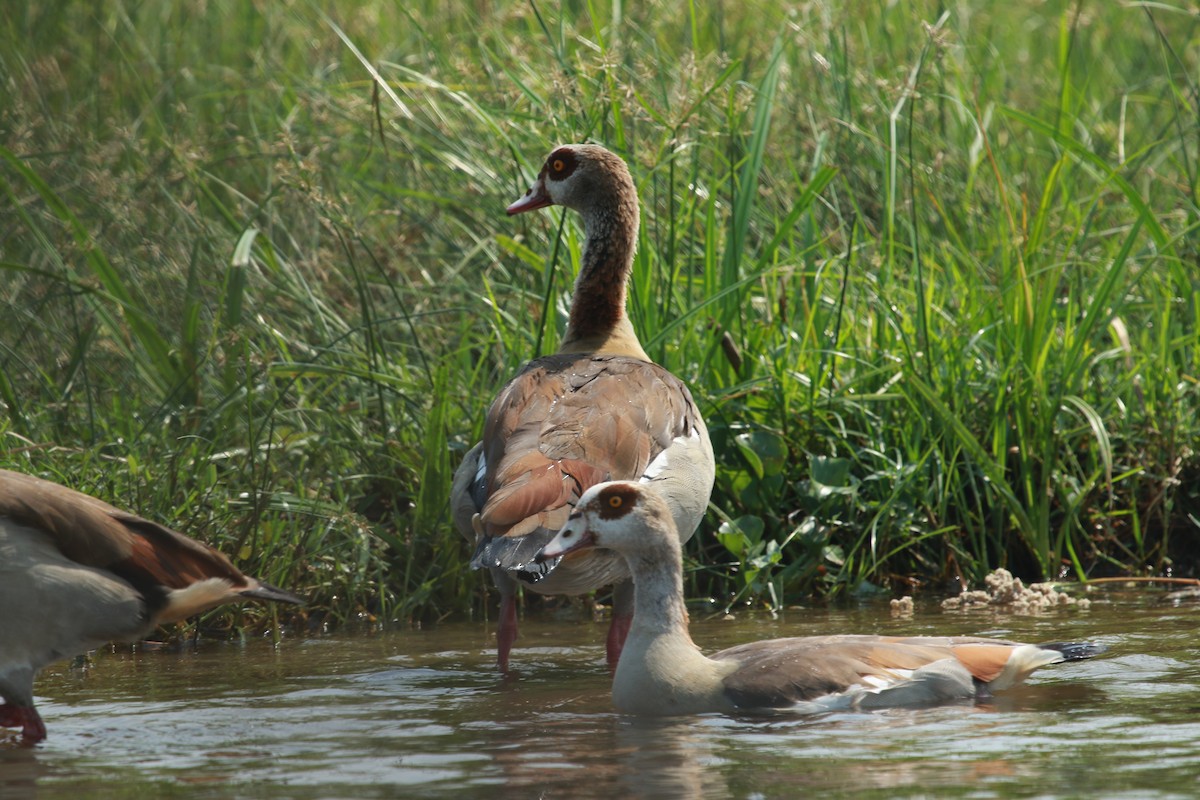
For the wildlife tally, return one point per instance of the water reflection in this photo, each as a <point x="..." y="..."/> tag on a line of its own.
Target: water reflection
<point x="668" y="758"/>
<point x="423" y="713"/>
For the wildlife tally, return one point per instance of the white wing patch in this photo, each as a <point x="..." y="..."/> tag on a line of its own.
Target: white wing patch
<point x="878" y="683"/>
<point x="683" y="473"/>
<point x="938" y="682"/>
<point x="663" y="461"/>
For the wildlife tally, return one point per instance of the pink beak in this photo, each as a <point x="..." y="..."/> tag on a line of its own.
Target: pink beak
<point x="556" y="547"/>
<point x="535" y="198"/>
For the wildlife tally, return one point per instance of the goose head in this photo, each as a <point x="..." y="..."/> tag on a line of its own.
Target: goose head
<point x="596" y="184"/>
<point x="583" y="177"/>
<point x="622" y="516"/>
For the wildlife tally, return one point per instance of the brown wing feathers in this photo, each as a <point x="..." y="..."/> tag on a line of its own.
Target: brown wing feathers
<point x="774" y="676"/>
<point x="532" y="486"/>
<point x="81" y="526"/>
<point x="172" y="559"/>
<point x="154" y="559"/>
<point x="565" y="423"/>
<point x="162" y="560"/>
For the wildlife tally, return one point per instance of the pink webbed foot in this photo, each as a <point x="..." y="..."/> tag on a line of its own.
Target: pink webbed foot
<point x="24" y="717"/>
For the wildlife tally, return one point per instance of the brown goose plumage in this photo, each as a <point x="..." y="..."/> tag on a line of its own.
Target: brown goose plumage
<point x="76" y="572"/>
<point x="662" y="672"/>
<point x="596" y="410"/>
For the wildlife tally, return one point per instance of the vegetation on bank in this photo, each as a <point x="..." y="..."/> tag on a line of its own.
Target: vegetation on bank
<point x="931" y="274"/>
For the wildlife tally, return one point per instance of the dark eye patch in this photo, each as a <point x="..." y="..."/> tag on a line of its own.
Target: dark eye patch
<point x="616" y="501"/>
<point x="561" y="163"/>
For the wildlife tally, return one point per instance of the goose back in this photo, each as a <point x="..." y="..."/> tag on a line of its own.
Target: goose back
<point x="565" y="423"/>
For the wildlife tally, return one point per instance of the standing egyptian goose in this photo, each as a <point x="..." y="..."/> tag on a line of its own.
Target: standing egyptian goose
<point x="598" y="409"/>
<point x="662" y="672"/>
<point x="76" y="573"/>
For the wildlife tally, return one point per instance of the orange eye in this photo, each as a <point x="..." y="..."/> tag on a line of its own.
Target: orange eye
<point x="615" y="501"/>
<point x="558" y="165"/>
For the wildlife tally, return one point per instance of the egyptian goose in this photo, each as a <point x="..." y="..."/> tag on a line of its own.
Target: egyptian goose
<point x="76" y="573"/>
<point x="598" y="409"/>
<point x="662" y="672"/>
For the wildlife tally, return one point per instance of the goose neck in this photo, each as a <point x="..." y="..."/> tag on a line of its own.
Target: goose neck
<point x="658" y="606"/>
<point x="598" y="305"/>
<point x="661" y="670"/>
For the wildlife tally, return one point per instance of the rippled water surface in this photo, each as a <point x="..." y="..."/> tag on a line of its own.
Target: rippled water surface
<point x="424" y="714"/>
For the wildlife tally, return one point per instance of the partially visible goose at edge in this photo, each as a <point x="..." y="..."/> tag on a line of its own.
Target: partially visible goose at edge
<point x="662" y="672"/>
<point x="599" y="409"/>
<point x="76" y="573"/>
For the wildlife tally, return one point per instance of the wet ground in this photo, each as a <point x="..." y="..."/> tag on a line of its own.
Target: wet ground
<point x="422" y="713"/>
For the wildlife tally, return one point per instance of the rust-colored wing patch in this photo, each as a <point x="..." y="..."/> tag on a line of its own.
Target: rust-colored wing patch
<point x="985" y="662"/>
<point x="170" y="559"/>
<point x="536" y="485"/>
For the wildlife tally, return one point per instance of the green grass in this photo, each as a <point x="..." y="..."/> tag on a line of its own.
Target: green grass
<point x="931" y="275"/>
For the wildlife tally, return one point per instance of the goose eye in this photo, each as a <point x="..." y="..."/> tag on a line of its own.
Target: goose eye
<point x="558" y="165"/>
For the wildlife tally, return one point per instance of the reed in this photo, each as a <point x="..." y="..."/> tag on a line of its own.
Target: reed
<point x="931" y="275"/>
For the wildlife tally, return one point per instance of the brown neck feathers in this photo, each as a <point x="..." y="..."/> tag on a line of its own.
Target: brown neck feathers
<point x="598" y="307"/>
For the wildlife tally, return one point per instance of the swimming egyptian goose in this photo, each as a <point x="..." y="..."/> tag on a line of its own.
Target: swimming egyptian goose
<point x="662" y="672"/>
<point x="76" y="573"/>
<point x="596" y="410"/>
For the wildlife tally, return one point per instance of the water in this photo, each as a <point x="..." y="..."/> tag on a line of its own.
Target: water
<point x="423" y="714"/>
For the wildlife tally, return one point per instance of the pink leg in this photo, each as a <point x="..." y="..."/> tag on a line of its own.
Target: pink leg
<point x="506" y="632"/>
<point x="617" y="631"/>
<point x="622" y="619"/>
<point x="24" y="717"/>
